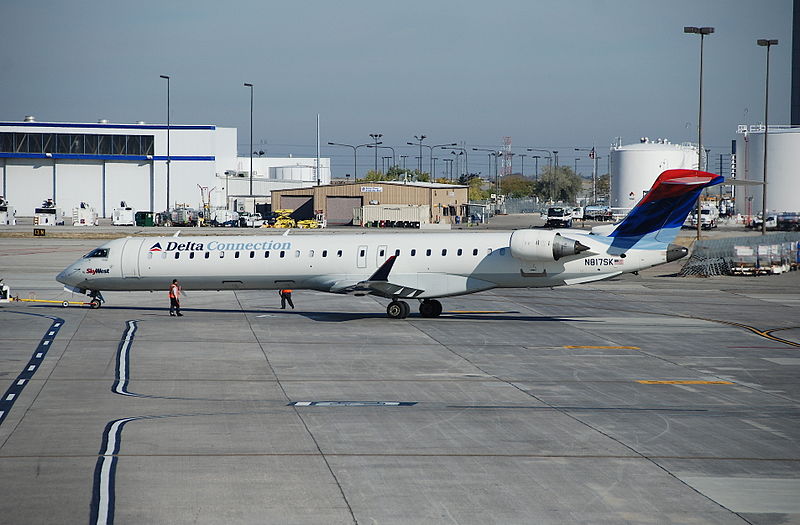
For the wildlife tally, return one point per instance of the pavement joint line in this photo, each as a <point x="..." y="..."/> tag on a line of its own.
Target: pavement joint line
<point x="682" y="382"/>
<point x="604" y="347"/>
<point x="637" y="457"/>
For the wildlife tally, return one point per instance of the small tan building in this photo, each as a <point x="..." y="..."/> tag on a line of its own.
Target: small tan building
<point x="447" y="201"/>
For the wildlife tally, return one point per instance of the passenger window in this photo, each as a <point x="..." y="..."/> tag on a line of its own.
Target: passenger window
<point x="163" y="255"/>
<point x="397" y="252"/>
<point x="191" y="255"/>
<point x="339" y="253"/>
<point x="266" y="255"/>
<point x="475" y="251"/>
<point x="235" y="255"/>
<point x="459" y="252"/>
<point x="311" y="253"/>
<point x="428" y="252"/>
<point x="502" y="251"/>
<point x="361" y="253"/>
<point x="177" y="255"/>
<point x="444" y="252"/>
<point x="283" y="254"/>
<point x="324" y="253"/>
<point x="381" y="252"/>
<point x="413" y="253"/>
<point x="252" y="254"/>
<point x="221" y="254"/>
<point x="207" y="255"/>
<point x="149" y="255"/>
<point x="297" y="253"/>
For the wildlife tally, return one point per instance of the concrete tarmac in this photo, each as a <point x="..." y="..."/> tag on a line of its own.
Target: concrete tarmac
<point x="643" y="399"/>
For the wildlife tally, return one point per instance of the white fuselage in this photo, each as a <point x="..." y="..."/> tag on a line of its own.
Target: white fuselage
<point x="431" y="264"/>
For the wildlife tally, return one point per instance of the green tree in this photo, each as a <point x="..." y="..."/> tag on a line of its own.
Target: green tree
<point x="516" y="186"/>
<point x="559" y="184"/>
<point x="476" y="189"/>
<point x="603" y="186"/>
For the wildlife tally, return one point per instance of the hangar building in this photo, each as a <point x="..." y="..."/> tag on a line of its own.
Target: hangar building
<point x="336" y="202"/>
<point x="103" y="164"/>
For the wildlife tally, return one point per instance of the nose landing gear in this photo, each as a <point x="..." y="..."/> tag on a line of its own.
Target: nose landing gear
<point x="97" y="299"/>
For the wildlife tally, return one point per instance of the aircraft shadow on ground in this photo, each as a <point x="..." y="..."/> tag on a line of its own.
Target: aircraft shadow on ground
<point x="341" y="317"/>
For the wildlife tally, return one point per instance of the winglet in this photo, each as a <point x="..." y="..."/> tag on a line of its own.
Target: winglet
<point x="382" y="273"/>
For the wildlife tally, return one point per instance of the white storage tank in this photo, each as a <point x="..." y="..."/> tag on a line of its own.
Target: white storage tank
<point x="635" y="167"/>
<point x="783" y="165"/>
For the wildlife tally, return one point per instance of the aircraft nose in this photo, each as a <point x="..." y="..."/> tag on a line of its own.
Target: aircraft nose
<point x="67" y="276"/>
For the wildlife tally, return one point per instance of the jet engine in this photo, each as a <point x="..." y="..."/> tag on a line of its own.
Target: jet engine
<point x="543" y="245"/>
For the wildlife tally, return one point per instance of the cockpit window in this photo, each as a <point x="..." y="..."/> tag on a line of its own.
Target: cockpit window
<point x="98" y="252"/>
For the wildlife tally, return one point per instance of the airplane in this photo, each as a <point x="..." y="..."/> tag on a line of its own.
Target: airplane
<point x="400" y="266"/>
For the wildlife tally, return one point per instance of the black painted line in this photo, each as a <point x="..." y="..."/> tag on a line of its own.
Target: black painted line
<point x="13" y="392"/>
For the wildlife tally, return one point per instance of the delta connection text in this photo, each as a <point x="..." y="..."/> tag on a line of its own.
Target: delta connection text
<point x="174" y="246"/>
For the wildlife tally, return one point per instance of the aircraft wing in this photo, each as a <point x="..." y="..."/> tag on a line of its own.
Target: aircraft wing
<point x="377" y="284"/>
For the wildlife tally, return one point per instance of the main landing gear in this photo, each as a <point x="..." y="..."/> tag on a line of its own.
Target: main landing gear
<point x="427" y="308"/>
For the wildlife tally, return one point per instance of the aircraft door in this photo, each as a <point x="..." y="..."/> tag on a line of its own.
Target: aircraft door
<point x="130" y="258"/>
<point x="361" y="257"/>
<point x="381" y="255"/>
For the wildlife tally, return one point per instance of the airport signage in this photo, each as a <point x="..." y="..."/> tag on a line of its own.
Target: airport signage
<point x="367" y="189"/>
<point x="39" y="232"/>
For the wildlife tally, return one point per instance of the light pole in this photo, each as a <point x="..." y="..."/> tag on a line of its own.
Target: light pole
<point x="448" y="167"/>
<point x="376" y="137"/>
<point x="593" y="156"/>
<point x="536" y="169"/>
<point x="167" y="78"/>
<point x="522" y="159"/>
<point x="383" y="147"/>
<point x="355" y="157"/>
<point x="767" y="44"/>
<point x="439" y="146"/>
<point x="403" y="159"/>
<point x="702" y="31"/>
<point x="420" y="138"/>
<point x="251" y="136"/>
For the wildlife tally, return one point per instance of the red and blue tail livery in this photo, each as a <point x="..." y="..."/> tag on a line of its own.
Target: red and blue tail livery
<point x="662" y="211"/>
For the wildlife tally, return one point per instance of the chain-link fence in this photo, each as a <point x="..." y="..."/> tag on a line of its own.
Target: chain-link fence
<point x="756" y="255"/>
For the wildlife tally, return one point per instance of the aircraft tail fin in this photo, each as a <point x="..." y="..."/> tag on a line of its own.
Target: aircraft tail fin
<point x="662" y="211"/>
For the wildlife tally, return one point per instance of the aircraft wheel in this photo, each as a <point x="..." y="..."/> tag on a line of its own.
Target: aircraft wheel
<point x="65" y="304"/>
<point x="95" y="304"/>
<point x="398" y="310"/>
<point x="430" y="308"/>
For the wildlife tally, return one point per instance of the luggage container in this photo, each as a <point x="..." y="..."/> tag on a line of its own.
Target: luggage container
<point x="123" y="216"/>
<point x="8" y="215"/>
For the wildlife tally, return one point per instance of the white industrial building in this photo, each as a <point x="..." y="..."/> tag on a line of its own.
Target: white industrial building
<point x="783" y="169"/>
<point x="635" y="167"/>
<point x="104" y="163"/>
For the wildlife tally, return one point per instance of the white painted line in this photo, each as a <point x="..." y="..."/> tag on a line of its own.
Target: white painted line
<point x="21" y="382"/>
<point x="45" y="343"/>
<point x="52" y="332"/>
<point x="39" y="355"/>
<point x="1" y="413"/>
<point x="31" y="368"/>
<point x="56" y="325"/>
<point x="10" y="397"/>
<point x="303" y="404"/>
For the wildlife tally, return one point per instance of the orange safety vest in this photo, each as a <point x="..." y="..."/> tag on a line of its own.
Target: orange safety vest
<point x="173" y="291"/>
<point x="285" y="291"/>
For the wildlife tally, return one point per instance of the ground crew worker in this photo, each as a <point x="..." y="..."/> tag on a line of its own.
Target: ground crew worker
<point x="174" y="299"/>
<point x="286" y="295"/>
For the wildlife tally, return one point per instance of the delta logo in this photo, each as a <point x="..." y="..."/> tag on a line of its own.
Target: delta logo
<point x="156" y="247"/>
<point x="95" y="271"/>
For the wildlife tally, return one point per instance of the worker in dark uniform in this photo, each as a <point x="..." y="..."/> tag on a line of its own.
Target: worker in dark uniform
<point x="174" y="299"/>
<point x="286" y="295"/>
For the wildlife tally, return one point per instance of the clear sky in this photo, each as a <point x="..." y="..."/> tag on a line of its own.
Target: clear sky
<point x="553" y="74"/>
